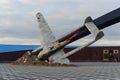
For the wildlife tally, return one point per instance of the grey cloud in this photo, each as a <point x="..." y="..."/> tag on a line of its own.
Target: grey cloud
<point x="19" y="21"/>
<point x="18" y="26"/>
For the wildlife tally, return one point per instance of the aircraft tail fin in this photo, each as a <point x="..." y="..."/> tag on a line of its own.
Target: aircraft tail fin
<point x="93" y="28"/>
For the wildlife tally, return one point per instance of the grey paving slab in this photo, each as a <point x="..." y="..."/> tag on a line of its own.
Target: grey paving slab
<point x="84" y="71"/>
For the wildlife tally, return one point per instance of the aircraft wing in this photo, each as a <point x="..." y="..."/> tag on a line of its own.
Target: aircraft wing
<point x="57" y="57"/>
<point x="48" y="40"/>
<point x="46" y="35"/>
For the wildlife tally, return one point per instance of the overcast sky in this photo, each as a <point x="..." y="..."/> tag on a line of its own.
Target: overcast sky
<point x="18" y="23"/>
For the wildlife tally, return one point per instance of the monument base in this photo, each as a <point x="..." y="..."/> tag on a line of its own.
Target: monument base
<point x="31" y="60"/>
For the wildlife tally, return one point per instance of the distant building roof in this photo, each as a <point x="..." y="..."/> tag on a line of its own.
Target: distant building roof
<point x="10" y="48"/>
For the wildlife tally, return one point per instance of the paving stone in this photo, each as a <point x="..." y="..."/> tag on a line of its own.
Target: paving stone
<point x="84" y="71"/>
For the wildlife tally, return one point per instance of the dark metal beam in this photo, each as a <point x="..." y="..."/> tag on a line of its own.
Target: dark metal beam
<point x="101" y="22"/>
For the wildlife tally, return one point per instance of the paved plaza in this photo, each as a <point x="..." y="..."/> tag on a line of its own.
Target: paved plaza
<point x="84" y="71"/>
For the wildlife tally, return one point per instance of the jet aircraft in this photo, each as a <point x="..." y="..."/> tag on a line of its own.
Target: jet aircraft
<point x="53" y="49"/>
